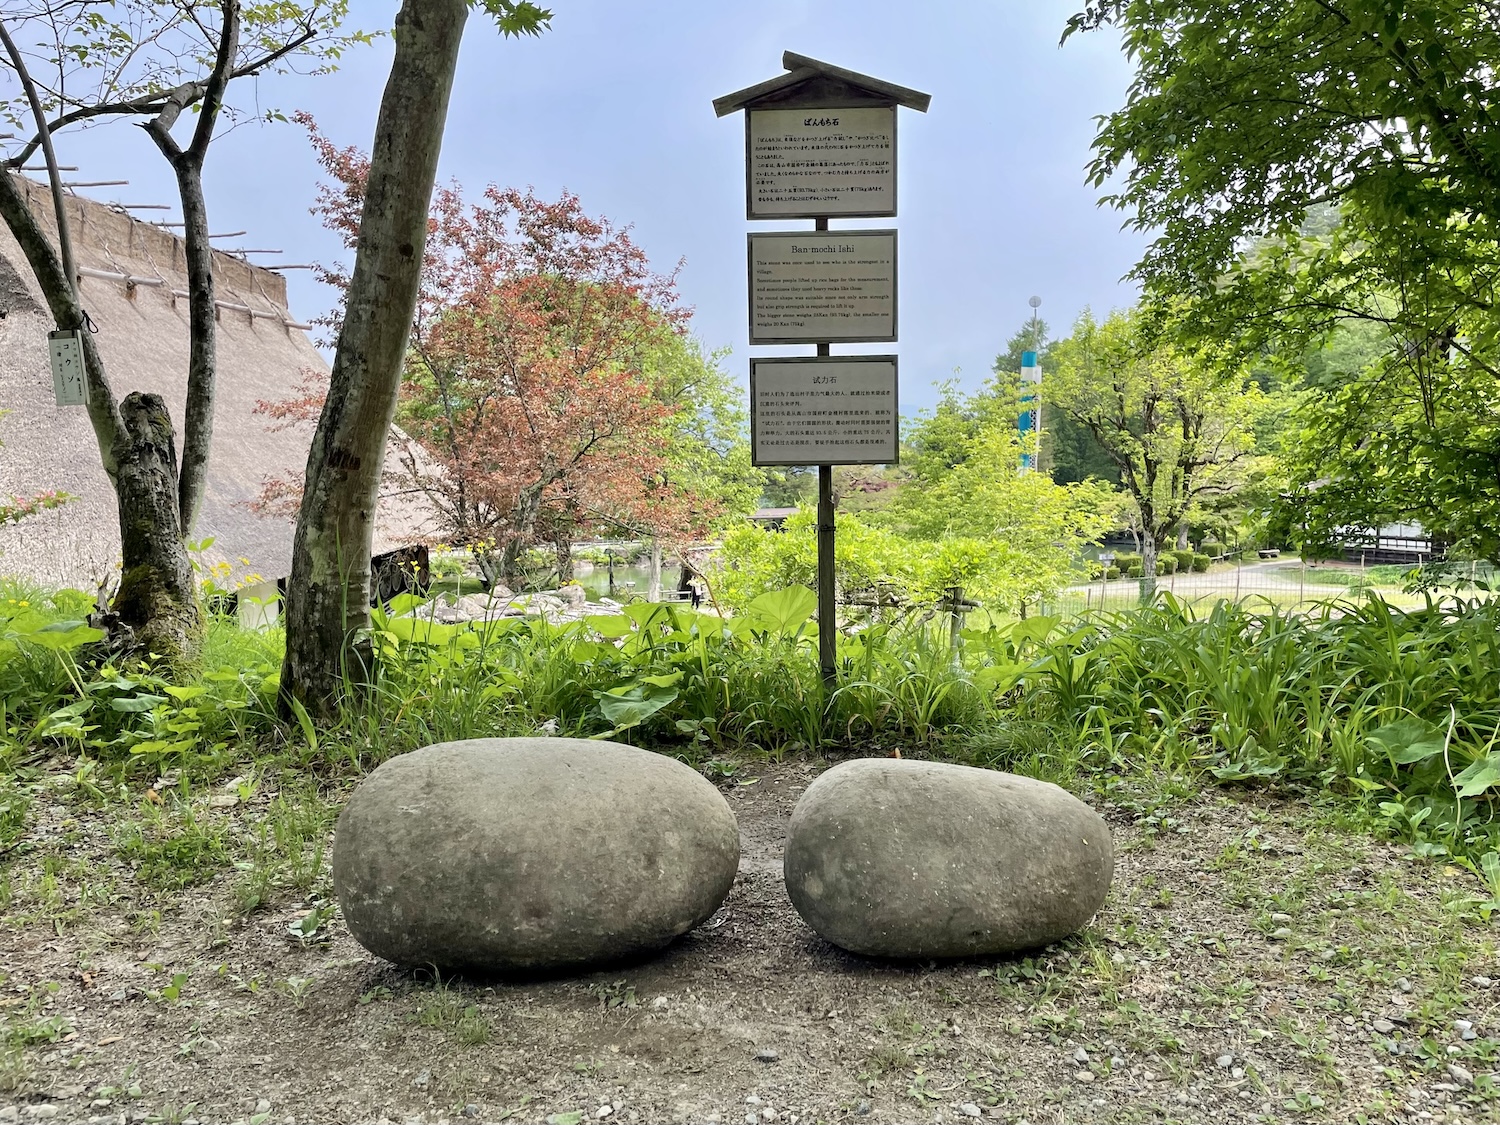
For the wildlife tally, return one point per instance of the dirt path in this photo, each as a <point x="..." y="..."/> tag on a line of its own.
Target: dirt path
<point x="1249" y="966"/>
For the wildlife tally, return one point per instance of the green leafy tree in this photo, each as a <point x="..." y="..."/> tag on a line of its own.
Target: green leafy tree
<point x="1009" y="539"/>
<point x="1355" y="147"/>
<point x="1178" y="421"/>
<point x="1243" y="117"/>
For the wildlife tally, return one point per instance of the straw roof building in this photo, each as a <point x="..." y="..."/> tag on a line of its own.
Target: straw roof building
<point x="134" y="288"/>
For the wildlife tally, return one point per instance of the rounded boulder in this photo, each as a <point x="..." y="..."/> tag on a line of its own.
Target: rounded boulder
<point x="528" y="855"/>
<point x="897" y="858"/>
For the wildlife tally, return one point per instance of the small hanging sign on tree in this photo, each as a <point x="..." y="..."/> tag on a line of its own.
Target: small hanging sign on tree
<point x="68" y="381"/>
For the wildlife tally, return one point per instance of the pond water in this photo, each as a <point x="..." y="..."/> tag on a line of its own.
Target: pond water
<point x="632" y="579"/>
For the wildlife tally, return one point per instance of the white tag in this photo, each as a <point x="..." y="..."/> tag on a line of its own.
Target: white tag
<point x="68" y="382"/>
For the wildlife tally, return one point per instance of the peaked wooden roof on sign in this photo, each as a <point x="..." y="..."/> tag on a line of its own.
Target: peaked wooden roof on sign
<point x="810" y="81"/>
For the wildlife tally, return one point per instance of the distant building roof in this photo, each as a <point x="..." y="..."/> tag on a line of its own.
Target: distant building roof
<point x="143" y="338"/>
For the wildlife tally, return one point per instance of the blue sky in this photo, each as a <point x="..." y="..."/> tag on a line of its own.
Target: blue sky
<point x="614" y="104"/>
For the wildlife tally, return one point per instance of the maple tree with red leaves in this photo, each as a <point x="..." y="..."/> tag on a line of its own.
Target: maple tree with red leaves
<point x="536" y="400"/>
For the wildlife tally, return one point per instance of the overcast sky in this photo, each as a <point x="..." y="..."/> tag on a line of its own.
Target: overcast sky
<point x="613" y="103"/>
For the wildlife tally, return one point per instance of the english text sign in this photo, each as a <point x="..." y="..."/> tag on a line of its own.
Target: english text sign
<point x="817" y="287"/>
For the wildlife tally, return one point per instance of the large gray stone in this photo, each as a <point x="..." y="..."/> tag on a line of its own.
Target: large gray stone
<point x="897" y="858"/>
<point x="515" y="855"/>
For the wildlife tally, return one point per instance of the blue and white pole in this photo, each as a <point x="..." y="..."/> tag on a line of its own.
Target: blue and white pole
<point x="1030" y="420"/>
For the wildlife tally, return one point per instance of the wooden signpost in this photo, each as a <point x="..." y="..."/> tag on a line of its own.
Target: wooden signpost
<point x="820" y="143"/>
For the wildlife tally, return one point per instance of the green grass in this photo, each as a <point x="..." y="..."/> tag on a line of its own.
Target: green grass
<point x="1392" y="711"/>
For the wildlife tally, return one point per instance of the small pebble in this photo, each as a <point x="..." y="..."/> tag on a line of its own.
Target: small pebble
<point x="604" y="1111"/>
<point x="1281" y="934"/>
<point x="1461" y="1075"/>
<point x="862" y="1109"/>
<point x="969" y="1109"/>
<point x="263" y="1106"/>
<point x="1404" y="985"/>
<point x="1084" y="1076"/>
<point x="1225" y="1061"/>
<point x="1281" y="919"/>
<point x="768" y="1114"/>
<point x="753" y="1099"/>
<point x="1080" y="1056"/>
<point x="47" y="1112"/>
<point x="659" y="1003"/>
<point x="471" y="1110"/>
<point x="10" y="1113"/>
<point x="1237" y="1073"/>
<point x="1384" y="1026"/>
<point x="766" y="1055"/>
<point x="1481" y="982"/>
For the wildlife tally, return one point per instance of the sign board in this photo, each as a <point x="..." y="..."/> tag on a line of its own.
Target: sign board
<point x="824" y="410"/>
<point x="825" y="162"/>
<point x="68" y="382"/>
<point x="813" y="287"/>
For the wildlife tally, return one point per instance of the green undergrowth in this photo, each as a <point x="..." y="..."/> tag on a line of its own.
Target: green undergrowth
<point x="1388" y="717"/>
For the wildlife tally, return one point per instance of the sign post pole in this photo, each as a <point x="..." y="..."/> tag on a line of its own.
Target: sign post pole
<point x="827" y="610"/>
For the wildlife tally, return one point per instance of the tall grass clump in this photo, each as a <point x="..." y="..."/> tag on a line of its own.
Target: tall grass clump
<point x="1397" y="710"/>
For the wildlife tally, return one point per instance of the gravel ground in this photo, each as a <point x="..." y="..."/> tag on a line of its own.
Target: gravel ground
<point x="1253" y="963"/>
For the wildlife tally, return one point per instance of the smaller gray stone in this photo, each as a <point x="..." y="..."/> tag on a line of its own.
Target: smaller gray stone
<point x="1404" y="985"/>
<point x="1080" y="1055"/>
<point x="471" y="1110"/>
<point x="1462" y="1075"/>
<point x="969" y="1109"/>
<point x="1225" y="1061"/>
<point x="862" y="1109"/>
<point x="901" y="858"/>
<point x="421" y="1080"/>
<point x="45" y="1112"/>
<point x="1281" y="934"/>
<point x="10" y="1113"/>
<point x="766" y="1055"/>
<point x="1383" y="1025"/>
<point x="1481" y="982"/>
<point x="1281" y="919"/>
<point x="263" y="1106"/>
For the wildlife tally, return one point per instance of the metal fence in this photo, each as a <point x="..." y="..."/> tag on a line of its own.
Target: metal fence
<point x="1286" y="582"/>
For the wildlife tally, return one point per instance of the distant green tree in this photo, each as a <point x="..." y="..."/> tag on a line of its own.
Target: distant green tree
<point x="1178" y="421"/>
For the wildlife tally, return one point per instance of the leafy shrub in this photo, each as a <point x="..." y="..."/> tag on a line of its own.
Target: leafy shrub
<point x="1136" y="570"/>
<point x="1127" y="559"/>
<point x="1112" y="572"/>
<point x="1167" y="564"/>
<point x="1201" y="563"/>
<point x="1184" y="560"/>
<point x="1213" y="548"/>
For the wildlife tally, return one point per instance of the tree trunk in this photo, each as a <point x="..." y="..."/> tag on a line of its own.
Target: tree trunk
<point x="198" y="410"/>
<point x="1148" y="568"/>
<point x="328" y="594"/>
<point x="523" y="532"/>
<point x="653" y="576"/>
<point x="158" y="596"/>
<point x="1182" y="536"/>
<point x="563" y="546"/>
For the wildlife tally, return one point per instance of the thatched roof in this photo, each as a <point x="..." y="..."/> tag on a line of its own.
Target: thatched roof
<point x="143" y="338"/>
